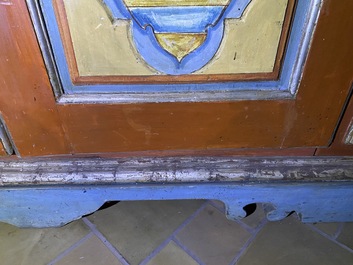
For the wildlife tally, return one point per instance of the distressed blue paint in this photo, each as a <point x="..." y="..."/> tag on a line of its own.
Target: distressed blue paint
<point x="299" y="39"/>
<point x="290" y="74"/>
<point x="57" y="45"/>
<point x="57" y="205"/>
<point x="177" y="19"/>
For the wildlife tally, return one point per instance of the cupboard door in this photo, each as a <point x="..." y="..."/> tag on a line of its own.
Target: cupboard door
<point x="175" y="102"/>
<point x="342" y="144"/>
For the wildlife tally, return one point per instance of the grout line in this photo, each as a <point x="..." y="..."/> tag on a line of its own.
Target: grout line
<point x="155" y="252"/>
<point x="189" y="219"/>
<point x="67" y="251"/>
<point x="238" y="221"/>
<point x="188" y="251"/>
<point x="98" y="234"/>
<point x="250" y="240"/>
<point x="221" y="209"/>
<point x="339" y="231"/>
<point x="177" y="230"/>
<point x="246" y="227"/>
<point x="315" y="229"/>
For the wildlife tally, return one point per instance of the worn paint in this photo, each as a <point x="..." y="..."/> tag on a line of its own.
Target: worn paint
<point x="48" y="192"/>
<point x="172" y="170"/>
<point x="349" y="136"/>
<point x="263" y="129"/>
<point x="180" y="45"/>
<point x="58" y="205"/>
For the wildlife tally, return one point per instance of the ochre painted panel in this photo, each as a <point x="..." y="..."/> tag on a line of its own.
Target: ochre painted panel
<point x="105" y="49"/>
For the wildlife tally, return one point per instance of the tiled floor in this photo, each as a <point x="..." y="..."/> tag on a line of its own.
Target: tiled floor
<point x="178" y="233"/>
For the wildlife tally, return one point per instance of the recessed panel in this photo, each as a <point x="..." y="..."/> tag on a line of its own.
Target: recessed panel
<point x="198" y="50"/>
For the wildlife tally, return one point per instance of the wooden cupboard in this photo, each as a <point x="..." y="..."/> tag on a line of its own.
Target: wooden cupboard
<point x="183" y="131"/>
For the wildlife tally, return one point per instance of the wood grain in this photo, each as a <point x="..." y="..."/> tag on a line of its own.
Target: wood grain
<point x="309" y="120"/>
<point x="2" y="150"/>
<point x="27" y="103"/>
<point x="327" y="78"/>
<point x="41" y="127"/>
<point x="338" y="146"/>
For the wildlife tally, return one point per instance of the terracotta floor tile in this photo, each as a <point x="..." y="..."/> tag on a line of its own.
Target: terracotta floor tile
<point x="137" y="228"/>
<point x="213" y="238"/>
<point x="346" y="236"/>
<point x="91" y="252"/>
<point x="290" y="242"/>
<point x="37" y="246"/>
<point x="172" y="255"/>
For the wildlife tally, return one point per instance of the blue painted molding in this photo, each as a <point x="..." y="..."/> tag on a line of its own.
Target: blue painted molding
<point x="299" y="41"/>
<point x="148" y="47"/>
<point x="50" y="192"/>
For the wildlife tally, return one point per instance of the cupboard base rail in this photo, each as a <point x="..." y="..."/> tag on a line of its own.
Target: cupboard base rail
<point x="50" y="193"/>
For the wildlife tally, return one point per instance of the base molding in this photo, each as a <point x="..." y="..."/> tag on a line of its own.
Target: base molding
<point x="53" y="193"/>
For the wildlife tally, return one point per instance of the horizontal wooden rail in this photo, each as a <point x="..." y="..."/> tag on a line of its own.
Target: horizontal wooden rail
<point x="48" y="171"/>
<point x="51" y="192"/>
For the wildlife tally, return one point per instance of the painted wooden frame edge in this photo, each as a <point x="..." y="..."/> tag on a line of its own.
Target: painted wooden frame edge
<point x="7" y="144"/>
<point x="52" y="192"/>
<point x="274" y="90"/>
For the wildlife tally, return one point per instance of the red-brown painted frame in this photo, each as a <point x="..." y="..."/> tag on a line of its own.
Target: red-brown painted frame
<point x="40" y="126"/>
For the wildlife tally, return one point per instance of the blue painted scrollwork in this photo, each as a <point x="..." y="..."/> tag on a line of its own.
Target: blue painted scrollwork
<point x="147" y="21"/>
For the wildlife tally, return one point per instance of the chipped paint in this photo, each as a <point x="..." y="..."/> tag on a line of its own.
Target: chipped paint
<point x="316" y="188"/>
<point x="172" y="170"/>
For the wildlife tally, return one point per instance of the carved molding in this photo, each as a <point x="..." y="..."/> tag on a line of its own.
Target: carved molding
<point x="52" y="192"/>
<point x="49" y="171"/>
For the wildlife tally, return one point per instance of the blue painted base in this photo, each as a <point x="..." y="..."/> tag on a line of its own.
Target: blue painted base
<point x="51" y="206"/>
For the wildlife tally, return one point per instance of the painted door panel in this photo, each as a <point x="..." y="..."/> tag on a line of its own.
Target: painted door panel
<point x="41" y="126"/>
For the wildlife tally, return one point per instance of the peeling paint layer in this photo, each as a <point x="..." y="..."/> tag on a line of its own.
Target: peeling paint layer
<point x="172" y="170"/>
